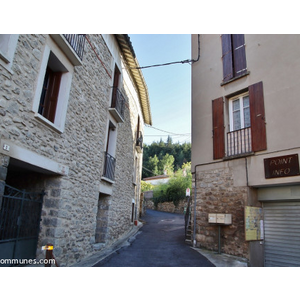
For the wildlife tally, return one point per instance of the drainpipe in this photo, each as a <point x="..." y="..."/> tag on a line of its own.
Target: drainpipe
<point x="195" y="197"/>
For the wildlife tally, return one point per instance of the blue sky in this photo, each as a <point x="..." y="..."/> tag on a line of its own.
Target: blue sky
<point x="169" y="87"/>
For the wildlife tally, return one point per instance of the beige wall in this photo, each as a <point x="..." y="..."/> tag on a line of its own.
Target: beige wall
<point x="273" y="59"/>
<point x="228" y="185"/>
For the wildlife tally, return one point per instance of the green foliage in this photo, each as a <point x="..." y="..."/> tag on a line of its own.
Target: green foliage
<point x="175" y="189"/>
<point x="146" y="186"/>
<point x="158" y="157"/>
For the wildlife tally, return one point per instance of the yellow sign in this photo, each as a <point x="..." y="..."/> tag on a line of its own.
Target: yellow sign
<point x="253" y="223"/>
<point x="47" y="247"/>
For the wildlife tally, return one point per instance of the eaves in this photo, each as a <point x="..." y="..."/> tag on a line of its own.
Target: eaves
<point x="133" y="65"/>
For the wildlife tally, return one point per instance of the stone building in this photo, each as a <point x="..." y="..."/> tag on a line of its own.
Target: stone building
<point x="72" y="111"/>
<point x="245" y="146"/>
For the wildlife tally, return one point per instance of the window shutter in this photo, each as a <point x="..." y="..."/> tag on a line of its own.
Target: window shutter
<point x="239" y="55"/>
<point x="257" y="116"/>
<point x="227" y="57"/>
<point x="218" y="128"/>
<point x="50" y="94"/>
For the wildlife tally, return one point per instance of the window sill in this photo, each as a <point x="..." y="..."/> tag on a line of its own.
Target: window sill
<point x="238" y="156"/>
<point x="4" y="57"/>
<point x="107" y="180"/>
<point x="235" y="78"/>
<point x="45" y="121"/>
<point x="116" y="115"/>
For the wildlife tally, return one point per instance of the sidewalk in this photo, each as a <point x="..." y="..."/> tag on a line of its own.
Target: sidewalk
<point x="222" y="260"/>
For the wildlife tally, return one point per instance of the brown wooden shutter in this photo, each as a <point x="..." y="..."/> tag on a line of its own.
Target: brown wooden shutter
<point x="257" y="116"/>
<point x="218" y="128"/>
<point x="227" y="57"/>
<point x="239" y="54"/>
<point x="51" y="95"/>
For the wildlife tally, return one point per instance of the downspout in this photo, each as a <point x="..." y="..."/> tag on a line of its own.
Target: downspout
<point x="195" y="188"/>
<point x="195" y="197"/>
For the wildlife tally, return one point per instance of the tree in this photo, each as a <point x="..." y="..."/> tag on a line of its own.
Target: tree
<point x="153" y="165"/>
<point x="166" y="164"/>
<point x="180" y="152"/>
<point x="146" y="186"/>
<point x="175" y="189"/>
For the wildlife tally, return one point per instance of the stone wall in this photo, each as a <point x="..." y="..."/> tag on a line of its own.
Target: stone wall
<point x="217" y="193"/>
<point x="168" y="206"/>
<point x="71" y="203"/>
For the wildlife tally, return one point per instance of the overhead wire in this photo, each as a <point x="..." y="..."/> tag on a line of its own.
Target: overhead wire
<point x="172" y="133"/>
<point x="189" y="61"/>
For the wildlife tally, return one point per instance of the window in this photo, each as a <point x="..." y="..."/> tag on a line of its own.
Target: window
<point x="109" y="155"/>
<point x="239" y="136"/>
<point x="247" y="128"/>
<point x="8" y="44"/>
<point x="53" y="87"/>
<point x="117" y="107"/>
<point x="234" y="56"/>
<point x="239" y="112"/>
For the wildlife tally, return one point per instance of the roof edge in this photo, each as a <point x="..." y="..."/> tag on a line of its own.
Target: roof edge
<point x="133" y="65"/>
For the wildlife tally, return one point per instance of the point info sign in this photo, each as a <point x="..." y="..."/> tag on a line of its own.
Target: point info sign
<point x="282" y="166"/>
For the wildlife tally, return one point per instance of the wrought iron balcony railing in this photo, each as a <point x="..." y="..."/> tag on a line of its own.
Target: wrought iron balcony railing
<point x="239" y="142"/>
<point x="139" y="141"/>
<point x="76" y="41"/>
<point x="118" y="105"/>
<point x="109" y="166"/>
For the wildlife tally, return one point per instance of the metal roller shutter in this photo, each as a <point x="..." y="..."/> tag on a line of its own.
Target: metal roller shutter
<point x="282" y="234"/>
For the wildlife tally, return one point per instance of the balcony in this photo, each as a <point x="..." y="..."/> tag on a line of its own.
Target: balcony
<point x="117" y="108"/>
<point x="109" y="167"/>
<point x="239" y="142"/>
<point x="139" y="142"/>
<point x="76" y="41"/>
<point x="72" y="45"/>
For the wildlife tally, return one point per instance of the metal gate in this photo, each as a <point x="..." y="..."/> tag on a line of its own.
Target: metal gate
<point x="20" y="215"/>
<point x="282" y="234"/>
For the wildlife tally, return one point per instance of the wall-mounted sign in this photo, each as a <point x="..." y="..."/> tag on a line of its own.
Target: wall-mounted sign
<point x="253" y="223"/>
<point x="282" y="166"/>
<point x="225" y="219"/>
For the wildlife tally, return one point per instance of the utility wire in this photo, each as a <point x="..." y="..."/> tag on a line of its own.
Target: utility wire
<point x="187" y="61"/>
<point x="149" y="171"/>
<point x="172" y="133"/>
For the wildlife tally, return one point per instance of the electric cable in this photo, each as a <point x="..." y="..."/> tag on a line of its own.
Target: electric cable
<point x="172" y="133"/>
<point x="189" y="61"/>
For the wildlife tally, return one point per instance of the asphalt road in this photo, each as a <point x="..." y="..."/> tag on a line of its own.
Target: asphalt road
<point x="159" y="243"/>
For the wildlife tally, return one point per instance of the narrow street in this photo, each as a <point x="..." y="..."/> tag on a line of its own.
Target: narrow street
<point x="159" y="243"/>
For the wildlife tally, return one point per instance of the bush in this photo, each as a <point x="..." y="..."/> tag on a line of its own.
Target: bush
<point x="175" y="189"/>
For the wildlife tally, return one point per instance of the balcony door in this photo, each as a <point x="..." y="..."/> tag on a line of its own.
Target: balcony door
<point x="117" y="74"/>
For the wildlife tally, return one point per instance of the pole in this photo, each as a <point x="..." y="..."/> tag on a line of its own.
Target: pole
<point x="219" y="250"/>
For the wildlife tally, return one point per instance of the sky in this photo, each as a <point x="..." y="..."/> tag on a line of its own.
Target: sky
<point x="169" y="87"/>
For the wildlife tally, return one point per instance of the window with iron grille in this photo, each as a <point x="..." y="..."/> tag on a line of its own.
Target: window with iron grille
<point x="239" y="137"/>
<point x="247" y="124"/>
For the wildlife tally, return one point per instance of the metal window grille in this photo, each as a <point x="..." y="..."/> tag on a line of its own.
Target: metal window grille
<point x="76" y="41"/>
<point x="118" y="102"/>
<point x="109" y="167"/>
<point x="239" y="142"/>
